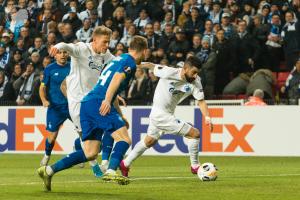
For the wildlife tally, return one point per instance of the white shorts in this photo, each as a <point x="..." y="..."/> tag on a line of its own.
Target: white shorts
<point x="74" y="110"/>
<point x="167" y="124"/>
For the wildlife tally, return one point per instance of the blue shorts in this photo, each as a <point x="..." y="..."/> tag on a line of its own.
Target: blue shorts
<point x="56" y="116"/>
<point x="94" y="125"/>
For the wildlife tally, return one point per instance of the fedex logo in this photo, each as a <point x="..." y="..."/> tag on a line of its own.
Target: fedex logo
<point x="12" y="133"/>
<point x="238" y="134"/>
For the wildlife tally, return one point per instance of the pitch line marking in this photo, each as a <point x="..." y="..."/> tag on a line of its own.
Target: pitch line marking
<point x="149" y="178"/>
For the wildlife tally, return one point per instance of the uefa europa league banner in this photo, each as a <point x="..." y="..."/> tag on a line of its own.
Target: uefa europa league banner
<point x="238" y="130"/>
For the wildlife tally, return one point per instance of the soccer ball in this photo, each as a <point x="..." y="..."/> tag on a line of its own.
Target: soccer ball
<point x="207" y="172"/>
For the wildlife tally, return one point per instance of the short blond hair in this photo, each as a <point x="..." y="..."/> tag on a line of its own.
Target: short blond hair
<point x="102" y="30"/>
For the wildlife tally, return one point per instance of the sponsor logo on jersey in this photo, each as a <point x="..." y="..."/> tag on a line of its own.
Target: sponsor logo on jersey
<point x="93" y="65"/>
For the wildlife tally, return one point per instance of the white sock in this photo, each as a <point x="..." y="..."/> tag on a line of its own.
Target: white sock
<point x="111" y="171"/>
<point x="193" y="146"/>
<point x="49" y="171"/>
<point x="136" y="152"/>
<point x="93" y="163"/>
<point x="104" y="162"/>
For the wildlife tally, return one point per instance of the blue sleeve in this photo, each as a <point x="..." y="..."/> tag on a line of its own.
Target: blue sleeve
<point x="46" y="78"/>
<point x="126" y="67"/>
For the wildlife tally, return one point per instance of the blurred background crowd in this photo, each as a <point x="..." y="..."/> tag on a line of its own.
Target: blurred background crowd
<point x="244" y="45"/>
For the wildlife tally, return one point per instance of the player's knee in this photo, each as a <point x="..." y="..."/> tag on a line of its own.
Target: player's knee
<point x="149" y="142"/>
<point x="91" y="155"/>
<point x="195" y="133"/>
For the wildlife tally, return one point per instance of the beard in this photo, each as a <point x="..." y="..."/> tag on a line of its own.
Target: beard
<point x="189" y="79"/>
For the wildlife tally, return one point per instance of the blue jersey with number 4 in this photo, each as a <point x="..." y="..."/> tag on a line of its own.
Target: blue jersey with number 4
<point x="122" y="64"/>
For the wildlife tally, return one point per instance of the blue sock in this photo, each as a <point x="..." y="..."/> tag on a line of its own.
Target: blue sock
<point x="48" y="147"/>
<point x="107" y="145"/>
<point x="68" y="161"/>
<point x="117" y="155"/>
<point x="77" y="144"/>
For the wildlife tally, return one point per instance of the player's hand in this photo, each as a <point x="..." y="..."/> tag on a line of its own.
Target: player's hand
<point x="53" y="51"/>
<point x="122" y="100"/>
<point x="105" y="108"/>
<point x="146" y="65"/>
<point x="46" y="103"/>
<point x="126" y="122"/>
<point x="209" y="123"/>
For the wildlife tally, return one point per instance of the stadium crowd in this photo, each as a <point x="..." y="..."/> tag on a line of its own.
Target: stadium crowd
<point x="243" y="44"/>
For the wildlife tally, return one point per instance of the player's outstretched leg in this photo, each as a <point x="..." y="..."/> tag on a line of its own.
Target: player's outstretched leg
<point x="107" y="145"/>
<point x="136" y="152"/>
<point x="77" y="147"/>
<point x="122" y="144"/>
<point x="193" y="147"/>
<point x="49" y="144"/>
<point x="46" y="172"/>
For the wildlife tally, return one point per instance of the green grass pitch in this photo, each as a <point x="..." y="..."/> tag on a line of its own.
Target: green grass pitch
<point x="157" y="178"/>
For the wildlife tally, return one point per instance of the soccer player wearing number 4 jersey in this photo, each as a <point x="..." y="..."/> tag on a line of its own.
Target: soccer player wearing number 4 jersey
<point x="99" y="115"/>
<point x="175" y="85"/>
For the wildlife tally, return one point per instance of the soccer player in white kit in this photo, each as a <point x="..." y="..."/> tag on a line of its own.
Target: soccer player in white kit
<point x="87" y="62"/>
<point x="175" y="85"/>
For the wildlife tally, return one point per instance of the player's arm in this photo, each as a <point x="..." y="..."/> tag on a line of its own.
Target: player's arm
<point x="112" y="88"/>
<point x="43" y="95"/>
<point x="147" y="65"/>
<point x="43" y="87"/>
<point x="161" y="71"/>
<point x="117" y="106"/>
<point x="204" y="110"/>
<point x="63" y="87"/>
<point x="72" y="49"/>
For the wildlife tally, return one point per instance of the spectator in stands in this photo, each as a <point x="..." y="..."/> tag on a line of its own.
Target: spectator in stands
<point x="127" y="38"/>
<point x="216" y="13"/>
<point x="6" y="90"/>
<point x="292" y="85"/>
<point x="89" y="5"/>
<point x="205" y="50"/>
<point x="28" y="41"/>
<point x="133" y="9"/>
<point x="108" y="8"/>
<point x="273" y="43"/>
<point x="14" y="59"/>
<point x="171" y="5"/>
<point x="152" y="38"/>
<point x="247" y="49"/>
<point x="68" y="35"/>
<point x="157" y="28"/>
<point x="185" y="13"/>
<point x="167" y="37"/>
<point x="46" y="61"/>
<point x="196" y="48"/>
<point x="291" y="39"/>
<point x="4" y="56"/>
<point x="168" y="19"/>
<point x="194" y="24"/>
<point x="179" y="47"/>
<point x="227" y="26"/>
<point x="208" y="30"/>
<point x="260" y="32"/>
<point x="205" y="8"/>
<point x="142" y="20"/>
<point x="158" y="55"/>
<point x="114" y="40"/>
<point x="225" y="61"/>
<point x="256" y="99"/>
<point x="262" y="79"/>
<point x="85" y="33"/>
<point x="38" y="47"/>
<point x="73" y="19"/>
<point x="24" y="85"/>
<point x="17" y="72"/>
<point x="138" y="93"/>
<point x="45" y="18"/>
<point x="35" y="58"/>
<point x="119" y="16"/>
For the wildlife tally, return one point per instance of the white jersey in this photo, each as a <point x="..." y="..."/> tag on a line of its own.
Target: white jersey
<point x="172" y="89"/>
<point x="86" y="66"/>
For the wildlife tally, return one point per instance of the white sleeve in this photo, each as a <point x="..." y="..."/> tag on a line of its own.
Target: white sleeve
<point x="198" y="93"/>
<point x="72" y="49"/>
<point x="166" y="72"/>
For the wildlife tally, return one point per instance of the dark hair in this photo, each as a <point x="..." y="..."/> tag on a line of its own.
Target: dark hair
<point x="193" y="61"/>
<point x="138" y="43"/>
